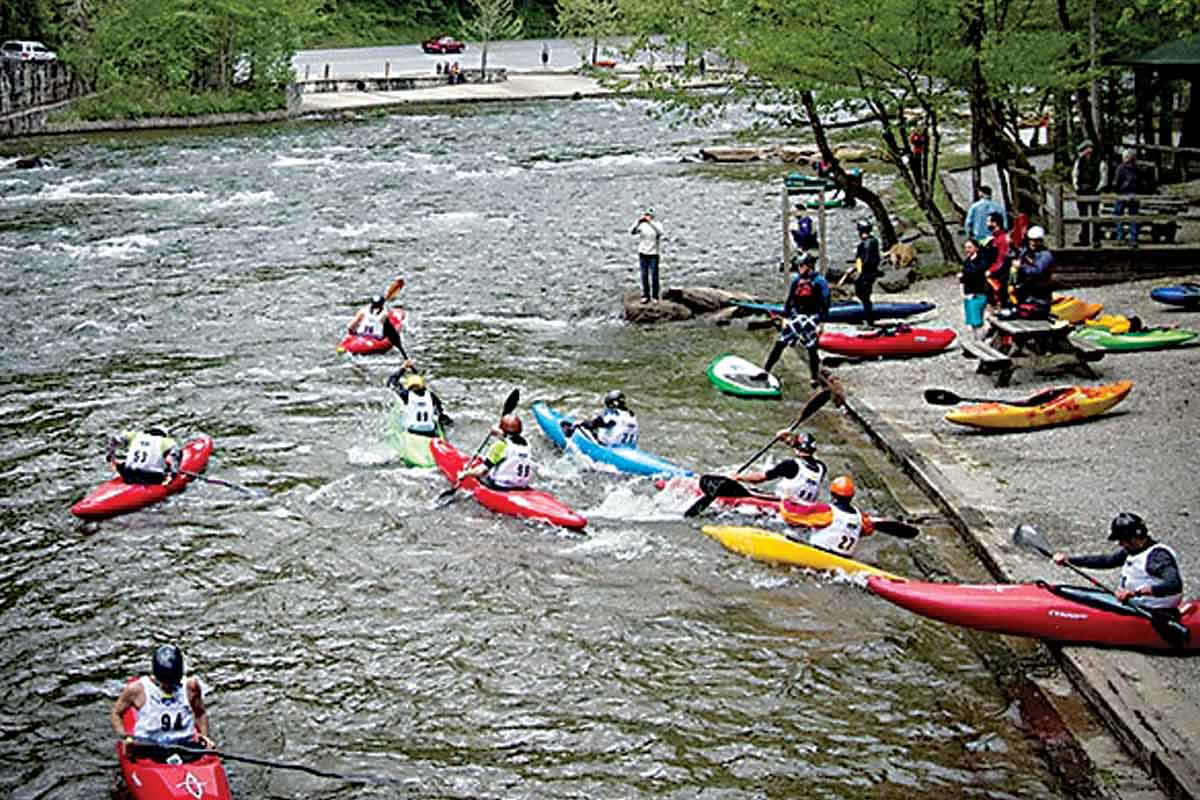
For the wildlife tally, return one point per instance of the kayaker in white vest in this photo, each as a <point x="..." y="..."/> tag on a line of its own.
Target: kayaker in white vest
<point x="423" y="411"/>
<point x="1149" y="570"/>
<point x="837" y="527"/>
<point x="150" y="457"/>
<point x="800" y="478"/>
<point x="509" y="461"/>
<point x="170" y="709"/>
<point x="616" y="425"/>
<point x="373" y="320"/>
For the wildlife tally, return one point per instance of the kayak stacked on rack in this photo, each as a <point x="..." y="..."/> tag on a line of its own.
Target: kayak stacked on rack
<point x="624" y="458"/>
<point x="115" y="497"/>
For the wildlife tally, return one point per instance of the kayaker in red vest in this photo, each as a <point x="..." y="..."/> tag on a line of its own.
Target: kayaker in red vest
<point x="373" y="320"/>
<point x="150" y="457"/>
<point x="170" y="709"/>
<point x="616" y="425"/>
<point x="509" y="463"/>
<point x="1149" y="570"/>
<point x="800" y="477"/>
<point x="806" y="305"/>
<point x="837" y="527"/>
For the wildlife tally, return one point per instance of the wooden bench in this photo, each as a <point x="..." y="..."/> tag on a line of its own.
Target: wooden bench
<point x="991" y="360"/>
<point x="1035" y="340"/>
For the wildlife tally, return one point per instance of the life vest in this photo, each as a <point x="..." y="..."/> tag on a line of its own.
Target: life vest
<point x="1134" y="577"/>
<point x="842" y="534"/>
<point x="164" y="719"/>
<point x="804" y="487"/>
<point x="419" y="415"/>
<point x="146" y="454"/>
<point x="516" y="470"/>
<point x="371" y="324"/>
<point x="622" y="433"/>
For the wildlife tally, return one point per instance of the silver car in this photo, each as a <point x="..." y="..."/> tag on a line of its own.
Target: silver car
<point x="16" y="50"/>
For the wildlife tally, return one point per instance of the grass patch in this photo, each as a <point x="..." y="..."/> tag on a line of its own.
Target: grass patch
<point x="139" y="102"/>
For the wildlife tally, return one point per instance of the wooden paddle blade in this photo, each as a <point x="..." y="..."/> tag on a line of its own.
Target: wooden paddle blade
<point x="942" y="397"/>
<point x="894" y="527"/>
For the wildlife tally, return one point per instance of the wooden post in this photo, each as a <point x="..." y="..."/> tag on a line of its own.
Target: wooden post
<point x="1060" y="235"/>
<point x="387" y="69"/>
<point x="326" y="72"/>
<point x="824" y="265"/>
<point x="307" y="67"/>
<point x="787" y="228"/>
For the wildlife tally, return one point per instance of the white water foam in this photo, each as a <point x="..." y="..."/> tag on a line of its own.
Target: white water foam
<point x="122" y="248"/>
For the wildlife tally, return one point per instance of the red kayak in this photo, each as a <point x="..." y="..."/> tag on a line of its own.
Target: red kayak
<point x="894" y="340"/>
<point x="147" y="779"/>
<point x="1067" y="614"/>
<point x="758" y="502"/>
<point x="115" y="497"/>
<point x="528" y="503"/>
<point x="368" y="345"/>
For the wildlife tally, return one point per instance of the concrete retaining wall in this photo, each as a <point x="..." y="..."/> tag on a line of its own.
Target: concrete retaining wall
<point x="29" y="89"/>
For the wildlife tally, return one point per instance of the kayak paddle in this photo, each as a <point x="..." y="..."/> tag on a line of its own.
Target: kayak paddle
<point x="510" y="405"/>
<point x="894" y="527"/>
<point x="1171" y="630"/>
<point x="945" y="397"/>
<point x="715" y="486"/>
<point x="262" y="762"/>
<point x="219" y="482"/>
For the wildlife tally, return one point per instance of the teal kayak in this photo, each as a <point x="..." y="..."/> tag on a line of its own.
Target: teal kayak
<point x="1151" y="339"/>
<point x="625" y="459"/>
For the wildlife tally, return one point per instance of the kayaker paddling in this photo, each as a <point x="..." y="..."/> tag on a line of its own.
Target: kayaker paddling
<point x="373" y="320"/>
<point x="509" y="461"/>
<point x="801" y="476"/>
<point x="1150" y="575"/>
<point x="837" y="527"/>
<point x="150" y="457"/>
<point x="423" y="411"/>
<point x="615" y="426"/>
<point x="170" y="710"/>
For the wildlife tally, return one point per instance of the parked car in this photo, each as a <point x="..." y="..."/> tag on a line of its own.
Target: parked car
<point x="26" y="51"/>
<point x="443" y="44"/>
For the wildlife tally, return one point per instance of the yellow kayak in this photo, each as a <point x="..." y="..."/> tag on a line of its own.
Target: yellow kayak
<point x="1074" y="310"/>
<point x="1052" y="407"/>
<point x="775" y="548"/>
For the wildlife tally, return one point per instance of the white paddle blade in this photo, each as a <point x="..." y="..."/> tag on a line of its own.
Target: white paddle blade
<point x="1029" y="537"/>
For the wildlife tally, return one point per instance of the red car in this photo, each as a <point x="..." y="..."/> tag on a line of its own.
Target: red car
<point x="443" y="44"/>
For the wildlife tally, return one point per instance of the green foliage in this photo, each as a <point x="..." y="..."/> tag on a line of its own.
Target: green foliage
<point x="589" y="19"/>
<point x="140" y="99"/>
<point x="26" y="19"/>
<point x="493" y="19"/>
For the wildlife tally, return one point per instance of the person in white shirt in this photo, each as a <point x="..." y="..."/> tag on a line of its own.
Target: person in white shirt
<point x="649" y="232"/>
<point x="170" y="710"/>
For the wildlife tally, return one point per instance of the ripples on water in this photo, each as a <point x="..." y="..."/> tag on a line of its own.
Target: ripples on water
<point x="201" y="280"/>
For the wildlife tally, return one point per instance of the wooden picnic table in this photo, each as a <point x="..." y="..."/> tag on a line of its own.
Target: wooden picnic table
<point x="1041" y="343"/>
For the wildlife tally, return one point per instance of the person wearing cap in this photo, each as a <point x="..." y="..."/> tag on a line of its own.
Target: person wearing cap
<point x="509" y="461"/>
<point x="423" y="412"/>
<point x="150" y="457"/>
<point x="1033" y="276"/>
<point x="650" y="233"/>
<point x="615" y="426"/>
<point x="1125" y="184"/>
<point x="807" y="304"/>
<point x="1089" y="175"/>
<point x="1150" y="575"/>
<point x="976" y="222"/>
<point x="170" y="711"/>
<point x="867" y="260"/>
<point x="837" y="527"/>
<point x="374" y="320"/>
<point x="800" y="477"/>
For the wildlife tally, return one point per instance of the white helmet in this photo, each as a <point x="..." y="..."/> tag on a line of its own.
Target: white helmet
<point x="1036" y="232"/>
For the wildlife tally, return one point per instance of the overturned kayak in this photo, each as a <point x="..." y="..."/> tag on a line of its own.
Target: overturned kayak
<point x="849" y="310"/>
<point x="775" y="548"/>
<point x="358" y="345"/>
<point x="1146" y="339"/>
<point x="625" y="459"/>
<point x="1074" y="310"/>
<point x="526" y="503"/>
<point x="116" y="497"/>
<point x="737" y="376"/>
<point x="1067" y="614"/>
<point x="895" y="341"/>
<point x="1058" y="406"/>
<point x="1185" y="295"/>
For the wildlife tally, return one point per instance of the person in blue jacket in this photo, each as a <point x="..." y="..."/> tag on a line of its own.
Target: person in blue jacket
<point x="806" y="306"/>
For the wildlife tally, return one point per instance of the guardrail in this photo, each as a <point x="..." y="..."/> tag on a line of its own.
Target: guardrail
<point x="1167" y="224"/>
<point x="393" y="83"/>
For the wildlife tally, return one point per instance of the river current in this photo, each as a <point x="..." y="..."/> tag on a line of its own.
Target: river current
<point x="201" y="280"/>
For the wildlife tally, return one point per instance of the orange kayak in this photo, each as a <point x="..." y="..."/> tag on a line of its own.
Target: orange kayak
<point x="1052" y="407"/>
<point x="1074" y="310"/>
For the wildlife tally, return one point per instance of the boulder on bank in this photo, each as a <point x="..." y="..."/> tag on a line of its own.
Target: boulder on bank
<point x="680" y="303"/>
<point x="703" y="299"/>
<point x="897" y="280"/>
<point x="736" y="154"/>
<point x="654" y="311"/>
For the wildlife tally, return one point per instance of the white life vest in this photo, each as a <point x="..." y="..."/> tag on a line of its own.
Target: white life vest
<point x="1134" y="577"/>
<point x="516" y="470"/>
<point x="371" y="323"/>
<point x="146" y="454"/>
<point x="806" y="485"/>
<point x="841" y="535"/>
<point x="622" y="433"/>
<point x="419" y="415"/>
<point x="164" y="719"/>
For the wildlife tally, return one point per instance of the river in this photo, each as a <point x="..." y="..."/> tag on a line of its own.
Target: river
<point x="201" y="280"/>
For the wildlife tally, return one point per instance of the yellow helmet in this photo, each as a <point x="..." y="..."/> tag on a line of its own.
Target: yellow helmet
<point x="414" y="382"/>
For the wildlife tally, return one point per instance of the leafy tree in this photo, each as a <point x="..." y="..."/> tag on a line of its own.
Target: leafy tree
<point x="590" y="19"/>
<point x="494" y="19"/>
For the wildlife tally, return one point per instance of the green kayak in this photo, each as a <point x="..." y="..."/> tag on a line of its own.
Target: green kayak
<point x="412" y="447"/>
<point x="735" y="375"/>
<point x="1149" y="339"/>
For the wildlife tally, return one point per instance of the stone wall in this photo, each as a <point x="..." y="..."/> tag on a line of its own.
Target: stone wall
<point x="25" y="85"/>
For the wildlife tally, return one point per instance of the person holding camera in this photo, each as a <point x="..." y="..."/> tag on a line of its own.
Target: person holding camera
<point x="650" y="233"/>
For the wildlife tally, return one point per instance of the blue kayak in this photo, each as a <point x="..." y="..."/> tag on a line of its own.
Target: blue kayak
<point x="1186" y="295"/>
<point x="625" y="459"/>
<point x="850" y="310"/>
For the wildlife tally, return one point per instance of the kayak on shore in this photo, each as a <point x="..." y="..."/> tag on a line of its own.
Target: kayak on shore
<point x="625" y="459"/>
<point x="742" y="378"/>
<point x="1184" y="295"/>
<point x="1073" y="310"/>
<point x="526" y="503"/>
<point x="1058" y="406"/>
<point x="1145" y="339"/>
<point x="115" y="497"/>
<point x="775" y="548"/>
<point x="358" y="345"/>
<point x="1066" y="614"/>
<point x="895" y="341"/>
<point x="849" y="311"/>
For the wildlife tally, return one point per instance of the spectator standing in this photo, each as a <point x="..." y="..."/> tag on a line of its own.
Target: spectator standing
<point x="975" y="285"/>
<point x="916" y="143"/>
<point x="1126" y="186"/>
<point x="545" y="55"/>
<point x="866" y="266"/>
<point x="1088" y="176"/>
<point x="976" y="225"/>
<point x="650" y="233"/>
<point x="996" y="247"/>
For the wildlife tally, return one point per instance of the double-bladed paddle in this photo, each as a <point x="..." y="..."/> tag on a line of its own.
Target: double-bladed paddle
<point x="262" y="762"/>
<point x="945" y="397"/>
<point x="895" y="527"/>
<point x="510" y="405"/>
<point x="714" y="486"/>
<point x="1171" y="630"/>
<point x="219" y="482"/>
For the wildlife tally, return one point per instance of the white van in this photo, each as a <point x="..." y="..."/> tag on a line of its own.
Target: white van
<point x="26" y="51"/>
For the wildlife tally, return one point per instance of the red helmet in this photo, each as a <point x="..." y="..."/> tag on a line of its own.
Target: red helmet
<point x="842" y="486"/>
<point x="510" y="423"/>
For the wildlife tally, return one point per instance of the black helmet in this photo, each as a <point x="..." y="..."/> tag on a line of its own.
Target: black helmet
<point x="614" y="399"/>
<point x="804" y="442"/>
<point x="377" y="302"/>
<point x="168" y="665"/>
<point x="864" y="226"/>
<point x="158" y="430"/>
<point x="1126" y="526"/>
